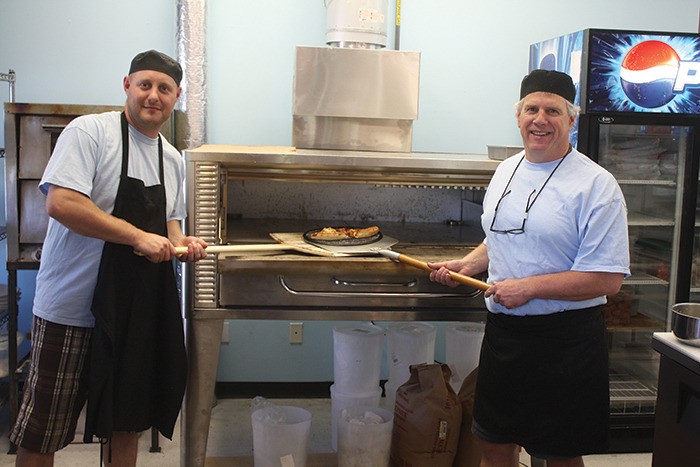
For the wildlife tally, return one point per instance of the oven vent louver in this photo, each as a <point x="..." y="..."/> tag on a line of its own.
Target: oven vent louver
<point x="206" y="204"/>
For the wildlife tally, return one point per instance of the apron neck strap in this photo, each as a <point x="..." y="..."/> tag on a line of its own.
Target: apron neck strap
<point x="125" y="150"/>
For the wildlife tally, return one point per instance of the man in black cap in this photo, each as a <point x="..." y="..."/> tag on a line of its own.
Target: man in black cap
<point x="107" y="325"/>
<point x="556" y="245"/>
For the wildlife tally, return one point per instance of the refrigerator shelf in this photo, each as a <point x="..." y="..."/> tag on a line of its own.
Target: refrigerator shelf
<point x="655" y="182"/>
<point x="630" y="396"/>
<point x="638" y="219"/>
<point x="638" y="322"/>
<point x="644" y="279"/>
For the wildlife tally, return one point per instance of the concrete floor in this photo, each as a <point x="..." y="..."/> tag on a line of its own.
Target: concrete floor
<point x="231" y="438"/>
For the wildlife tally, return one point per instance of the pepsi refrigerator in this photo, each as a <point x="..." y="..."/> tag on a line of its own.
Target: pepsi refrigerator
<point x="639" y="94"/>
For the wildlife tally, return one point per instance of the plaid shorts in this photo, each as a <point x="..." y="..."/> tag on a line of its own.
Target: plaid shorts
<point x="56" y="387"/>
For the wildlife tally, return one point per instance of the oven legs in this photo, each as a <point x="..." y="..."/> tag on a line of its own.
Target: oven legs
<point x="203" y="338"/>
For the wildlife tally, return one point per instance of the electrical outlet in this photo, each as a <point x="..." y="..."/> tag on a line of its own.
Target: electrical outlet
<point x="296" y="333"/>
<point x="225" y="336"/>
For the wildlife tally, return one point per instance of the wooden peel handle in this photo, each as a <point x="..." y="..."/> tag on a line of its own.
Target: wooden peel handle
<point x="237" y="248"/>
<point x="461" y="278"/>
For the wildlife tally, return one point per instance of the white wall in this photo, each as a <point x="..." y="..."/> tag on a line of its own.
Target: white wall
<point x="78" y="51"/>
<point x="473" y="56"/>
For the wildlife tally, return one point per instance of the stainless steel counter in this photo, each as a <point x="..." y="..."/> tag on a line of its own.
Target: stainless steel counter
<point x="677" y="424"/>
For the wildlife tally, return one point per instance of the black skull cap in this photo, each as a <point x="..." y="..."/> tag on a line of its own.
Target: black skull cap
<point x="157" y="61"/>
<point x="554" y="82"/>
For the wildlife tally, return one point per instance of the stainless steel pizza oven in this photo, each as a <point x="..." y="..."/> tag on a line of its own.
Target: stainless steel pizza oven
<point x="240" y="195"/>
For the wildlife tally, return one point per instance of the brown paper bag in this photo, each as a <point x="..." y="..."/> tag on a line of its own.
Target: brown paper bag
<point x="427" y="419"/>
<point x="469" y="451"/>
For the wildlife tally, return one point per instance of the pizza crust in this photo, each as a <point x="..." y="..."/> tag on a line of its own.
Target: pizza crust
<point x="329" y="233"/>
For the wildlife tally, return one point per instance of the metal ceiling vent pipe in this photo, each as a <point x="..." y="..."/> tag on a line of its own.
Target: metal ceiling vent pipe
<point x="191" y="53"/>
<point x="359" y="24"/>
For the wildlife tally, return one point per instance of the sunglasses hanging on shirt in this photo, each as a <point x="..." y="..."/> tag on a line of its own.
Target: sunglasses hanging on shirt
<point x="530" y="199"/>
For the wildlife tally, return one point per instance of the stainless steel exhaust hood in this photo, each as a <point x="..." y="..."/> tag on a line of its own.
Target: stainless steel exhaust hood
<point x="355" y="99"/>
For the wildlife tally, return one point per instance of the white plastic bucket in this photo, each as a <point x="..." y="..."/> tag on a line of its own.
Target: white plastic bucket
<point x="281" y="436"/>
<point x="462" y="349"/>
<point x="341" y="400"/>
<point x="407" y="344"/>
<point x="357" y="357"/>
<point x="364" y="437"/>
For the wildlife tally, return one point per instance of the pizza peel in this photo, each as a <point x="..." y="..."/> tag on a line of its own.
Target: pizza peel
<point x="382" y="246"/>
<point x="295" y="241"/>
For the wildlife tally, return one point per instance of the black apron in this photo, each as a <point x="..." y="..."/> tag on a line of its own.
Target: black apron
<point x="138" y="364"/>
<point x="543" y="383"/>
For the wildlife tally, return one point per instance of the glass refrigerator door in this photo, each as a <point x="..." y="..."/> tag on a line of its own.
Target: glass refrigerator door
<point x="695" y="270"/>
<point x="648" y="163"/>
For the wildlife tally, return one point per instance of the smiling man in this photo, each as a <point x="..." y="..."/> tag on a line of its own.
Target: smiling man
<point x="556" y="245"/>
<point x="107" y="324"/>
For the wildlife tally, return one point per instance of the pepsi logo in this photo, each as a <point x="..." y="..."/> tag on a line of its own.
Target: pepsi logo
<point x="648" y="73"/>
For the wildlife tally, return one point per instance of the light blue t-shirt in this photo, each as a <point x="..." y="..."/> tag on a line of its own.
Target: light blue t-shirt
<point x="577" y="223"/>
<point x="87" y="158"/>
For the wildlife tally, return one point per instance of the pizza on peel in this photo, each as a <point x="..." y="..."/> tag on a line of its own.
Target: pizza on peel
<point x="343" y="233"/>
